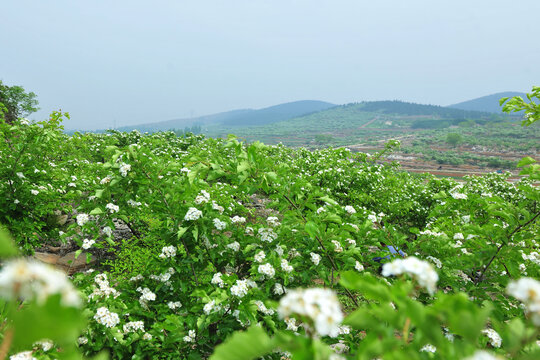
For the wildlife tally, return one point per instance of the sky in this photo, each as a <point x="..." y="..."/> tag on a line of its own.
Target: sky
<point x="115" y="63"/>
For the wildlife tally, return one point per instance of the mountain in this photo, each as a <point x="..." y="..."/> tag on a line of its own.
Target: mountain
<point x="489" y="103"/>
<point x="243" y="117"/>
<point x="412" y="109"/>
<point x="278" y="113"/>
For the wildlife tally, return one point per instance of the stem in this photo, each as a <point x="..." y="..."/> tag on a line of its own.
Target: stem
<point x="406" y="330"/>
<point x="480" y="278"/>
<point x="6" y="343"/>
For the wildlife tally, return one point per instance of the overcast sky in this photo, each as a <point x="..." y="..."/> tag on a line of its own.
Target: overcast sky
<point x="128" y="62"/>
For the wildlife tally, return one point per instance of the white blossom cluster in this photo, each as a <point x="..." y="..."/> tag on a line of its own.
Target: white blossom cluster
<point x="168" y="252"/>
<point x="260" y="256"/>
<point x="217" y="280"/>
<point x="217" y="207"/>
<point x="262" y="308"/>
<point x="350" y="209"/>
<point x="105" y="317"/>
<point x="494" y="338"/>
<point x="238" y="219"/>
<point x="319" y="305"/>
<point x="174" y="305"/>
<point x="272" y="221"/>
<point x="527" y="291"/>
<point x="193" y="214"/>
<point x="124" y="168"/>
<point x="337" y="246"/>
<point x="482" y="355"/>
<point x="103" y="289"/>
<point x="112" y="208"/>
<point x="87" y="244"/>
<point x="420" y="270"/>
<point x="134" y="203"/>
<point x="133" y="326"/>
<point x="267" y="270"/>
<point x="285" y="266"/>
<point x="165" y="277"/>
<point x="26" y="279"/>
<point x="210" y="307"/>
<point x="24" y="355"/>
<point x="203" y="197"/>
<point x="82" y="219"/>
<point x="219" y="225"/>
<point x="315" y="258"/>
<point x="234" y="246"/>
<point x="190" y="337"/>
<point x="279" y="289"/>
<point x="240" y="288"/>
<point x="146" y="295"/>
<point x="267" y="234"/>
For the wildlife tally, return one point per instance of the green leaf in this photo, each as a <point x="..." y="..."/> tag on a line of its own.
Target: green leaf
<point x="250" y="344"/>
<point x="181" y="232"/>
<point x="7" y="247"/>
<point x="526" y="161"/>
<point x="96" y="211"/>
<point x="312" y="229"/>
<point x="328" y="200"/>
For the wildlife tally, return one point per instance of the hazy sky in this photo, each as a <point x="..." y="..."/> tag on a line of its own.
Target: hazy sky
<point x="129" y="62"/>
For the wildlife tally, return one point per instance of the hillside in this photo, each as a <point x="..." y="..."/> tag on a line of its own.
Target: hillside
<point x="489" y="103"/>
<point x="242" y="117"/>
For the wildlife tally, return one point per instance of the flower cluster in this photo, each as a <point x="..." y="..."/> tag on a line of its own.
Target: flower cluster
<point x="24" y="279"/>
<point x="124" y="168"/>
<point x="168" y="252"/>
<point x="320" y="306"/>
<point x="105" y="317"/>
<point x="420" y="270"/>
<point x="192" y="214"/>
<point x="527" y="291"/>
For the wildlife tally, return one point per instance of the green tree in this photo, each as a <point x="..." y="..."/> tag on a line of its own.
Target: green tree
<point x="454" y="139"/>
<point x="15" y="102"/>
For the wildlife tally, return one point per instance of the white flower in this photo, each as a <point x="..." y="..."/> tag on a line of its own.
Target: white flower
<point x="337" y="246"/>
<point x="267" y="270"/>
<point x="27" y="279"/>
<point x="208" y="307"/>
<point x="279" y="289"/>
<point x="279" y="250"/>
<point x="34" y="192"/>
<point x="82" y="340"/>
<point x="422" y="271"/>
<point x="272" y="221"/>
<point x="494" y="338"/>
<point x="82" y="219"/>
<point x="25" y="355"/>
<point x="203" y="197"/>
<point x="168" y="252"/>
<point x="105" y="317"/>
<point x="193" y="214"/>
<point x="146" y="295"/>
<point x="124" y="168"/>
<point x="372" y="217"/>
<point x="319" y="305"/>
<point x="428" y="348"/>
<point x="436" y="261"/>
<point x="112" y="208"/>
<point x="20" y="175"/>
<point x="285" y="266"/>
<point x="147" y="336"/>
<point x="87" y="244"/>
<point x="235" y="246"/>
<point x="190" y="337"/>
<point x="45" y="344"/>
<point x="482" y="355"/>
<point x="174" y="305"/>
<point x="457" y="195"/>
<point x="133" y="326"/>
<point x="220" y="225"/>
<point x="359" y="266"/>
<point x="238" y="219"/>
<point x="315" y="258"/>
<point x="107" y="231"/>
<point x="458" y="236"/>
<point x="527" y="291"/>
<point x="267" y="234"/>
<point x="240" y="288"/>
<point x="217" y="280"/>
<point x="260" y="256"/>
<point x="349" y="209"/>
<point x="105" y="180"/>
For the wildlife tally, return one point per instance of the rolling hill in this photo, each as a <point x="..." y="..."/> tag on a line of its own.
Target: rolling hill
<point x="489" y="103"/>
<point x="243" y="117"/>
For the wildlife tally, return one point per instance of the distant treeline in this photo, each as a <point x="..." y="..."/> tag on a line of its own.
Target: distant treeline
<point x="411" y="109"/>
<point x="195" y="129"/>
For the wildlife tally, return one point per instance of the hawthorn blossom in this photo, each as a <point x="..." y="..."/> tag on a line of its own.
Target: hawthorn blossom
<point x="168" y="252"/>
<point x="240" y="288"/>
<point x="217" y="280"/>
<point x="285" y="266"/>
<point x="315" y="258"/>
<point x="87" y="244"/>
<point x="494" y="338"/>
<point x="349" y="209"/>
<point x="112" y="208"/>
<point x="124" y="168"/>
<point x="193" y="214"/>
<point x="107" y="318"/>
<point x="321" y="306"/>
<point x="260" y="256"/>
<point x="420" y="270"/>
<point x="219" y="225"/>
<point x="267" y="270"/>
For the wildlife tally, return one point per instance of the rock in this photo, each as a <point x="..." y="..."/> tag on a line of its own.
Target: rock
<point x="71" y="265"/>
<point x="47" y="258"/>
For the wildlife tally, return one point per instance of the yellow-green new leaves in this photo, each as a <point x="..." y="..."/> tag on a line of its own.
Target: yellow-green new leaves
<point x="7" y="248"/>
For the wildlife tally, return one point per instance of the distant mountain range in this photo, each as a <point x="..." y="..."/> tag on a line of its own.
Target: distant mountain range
<point x="243" y="117"/>
<point x="489" y="103"/>
<point x="481" y="108"/>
